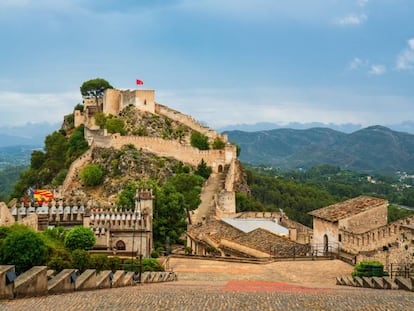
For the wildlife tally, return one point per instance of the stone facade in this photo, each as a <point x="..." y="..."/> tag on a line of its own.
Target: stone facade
<point x="359" y="227"/>
<point x="116" y="100"/>
<point x="125" y="231"/>
<point x="117" y="231"/>
<point x="357" y="215"/>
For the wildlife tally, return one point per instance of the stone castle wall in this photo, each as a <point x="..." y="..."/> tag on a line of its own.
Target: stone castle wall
<point x="374" y="239"/>
<point x="188" y="121"/>
<point x="229" y="182"/>
<point x="74" y="170"/>
<point x="169" y="148"/>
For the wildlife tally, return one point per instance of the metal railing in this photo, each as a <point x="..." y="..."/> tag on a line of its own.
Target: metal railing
<point x="405" y="270"/>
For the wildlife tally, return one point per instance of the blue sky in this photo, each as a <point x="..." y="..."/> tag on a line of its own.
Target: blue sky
<point x="221" y="61"/>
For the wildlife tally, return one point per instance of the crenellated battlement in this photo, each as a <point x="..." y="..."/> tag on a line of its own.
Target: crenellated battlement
<point x="373" y="239"/>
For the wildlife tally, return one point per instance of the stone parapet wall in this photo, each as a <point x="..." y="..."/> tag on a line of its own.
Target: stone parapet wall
<point x="371" y="240"/>
<point x="74" y="169"/>
<point x="230" y="177"/>
<point x="188" y="121"/>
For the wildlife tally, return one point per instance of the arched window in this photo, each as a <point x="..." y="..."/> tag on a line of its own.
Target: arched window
<point x="120" y="245"/>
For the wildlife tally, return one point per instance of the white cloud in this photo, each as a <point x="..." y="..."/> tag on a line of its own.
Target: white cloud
<point x="377" y="70"/>
<point x="220" y="107"/>
<point x="20" y="108"/>
<point x="352" y="19"/>
<point x="362" y="3"/>
<point x="405" y="61"/>
<point x="357" y="63"/>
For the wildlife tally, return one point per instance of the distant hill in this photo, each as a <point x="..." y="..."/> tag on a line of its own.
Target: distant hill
<point x="373" y="149"/>
<point x="406" y="126"/>
<point x="32" y="134"/>
<point x="266" y="126"/>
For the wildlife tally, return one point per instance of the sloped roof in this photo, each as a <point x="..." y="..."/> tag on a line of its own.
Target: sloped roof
<point x="347" y="208"/>
<point x="249" y="224"/>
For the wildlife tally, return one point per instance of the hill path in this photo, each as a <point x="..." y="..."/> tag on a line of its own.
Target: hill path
<point x="212" y="186"/>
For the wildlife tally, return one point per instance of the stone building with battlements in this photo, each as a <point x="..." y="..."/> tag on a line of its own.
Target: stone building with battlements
<point x="117" y="231"/>
<point x="358" y="229"/>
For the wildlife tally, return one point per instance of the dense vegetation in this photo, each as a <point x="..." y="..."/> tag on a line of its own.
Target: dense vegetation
<point x="49" y="167"/>
<point x="173" y="200"/>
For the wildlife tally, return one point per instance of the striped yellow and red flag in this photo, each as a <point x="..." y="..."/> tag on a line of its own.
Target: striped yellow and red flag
<point x="42" y="195"/>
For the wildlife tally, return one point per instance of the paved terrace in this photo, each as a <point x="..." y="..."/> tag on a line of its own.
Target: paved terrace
<point x="214" y="285"/>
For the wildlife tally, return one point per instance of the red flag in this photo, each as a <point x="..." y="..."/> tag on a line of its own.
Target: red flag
<point x="140" y="82"/>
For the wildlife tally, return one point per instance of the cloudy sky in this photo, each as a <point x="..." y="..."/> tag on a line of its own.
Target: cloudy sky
<point x="222" y="61"/>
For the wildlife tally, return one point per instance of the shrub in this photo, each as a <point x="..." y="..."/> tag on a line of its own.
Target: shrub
<point x="369" y="269"/>
<point x="80" y="238"/>
<point x="218" y="143"/>
<point x="199" y="140"/>
<point x="99" y="262"/>
<point x="24" y="249"/>
<point x="203" y="170"/>
<point x="81" y="260"/>
<point x="114" y="263"/>
<point x="92" y="175"/>
<point x="115" y="125"/>
<point x="60" y="259"/>
<point x="155" y="254"/>
<point x="100" y="119"/>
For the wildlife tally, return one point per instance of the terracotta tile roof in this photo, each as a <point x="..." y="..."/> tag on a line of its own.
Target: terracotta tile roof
<point x="347" y="208"/>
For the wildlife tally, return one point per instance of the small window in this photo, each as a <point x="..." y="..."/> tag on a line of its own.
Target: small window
<point x="339" y="238"/>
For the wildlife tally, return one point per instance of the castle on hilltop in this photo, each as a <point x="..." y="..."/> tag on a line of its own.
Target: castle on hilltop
<point x="114" y="101"/>
<point x="356" y="229"/>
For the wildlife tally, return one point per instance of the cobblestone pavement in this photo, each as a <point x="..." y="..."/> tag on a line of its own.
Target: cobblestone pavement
<point x="215" y="286"/>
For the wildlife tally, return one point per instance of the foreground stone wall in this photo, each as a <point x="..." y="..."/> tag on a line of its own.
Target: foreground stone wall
<point x="37" y="281"/>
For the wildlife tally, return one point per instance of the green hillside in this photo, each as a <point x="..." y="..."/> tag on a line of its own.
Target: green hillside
<point x="374" y="149"/>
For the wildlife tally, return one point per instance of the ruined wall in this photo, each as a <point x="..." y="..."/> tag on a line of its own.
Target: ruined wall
<point x="374" y="239"/>
<point x="373" y="218"/>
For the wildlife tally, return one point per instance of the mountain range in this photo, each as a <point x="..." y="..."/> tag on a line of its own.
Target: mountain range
<point x="374" y="149"/>
<point x="406" y="126"/>
<point x="32" y="134"/>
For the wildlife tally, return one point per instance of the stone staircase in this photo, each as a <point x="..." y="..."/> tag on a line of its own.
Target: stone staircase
<point x="213" y="185"/>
